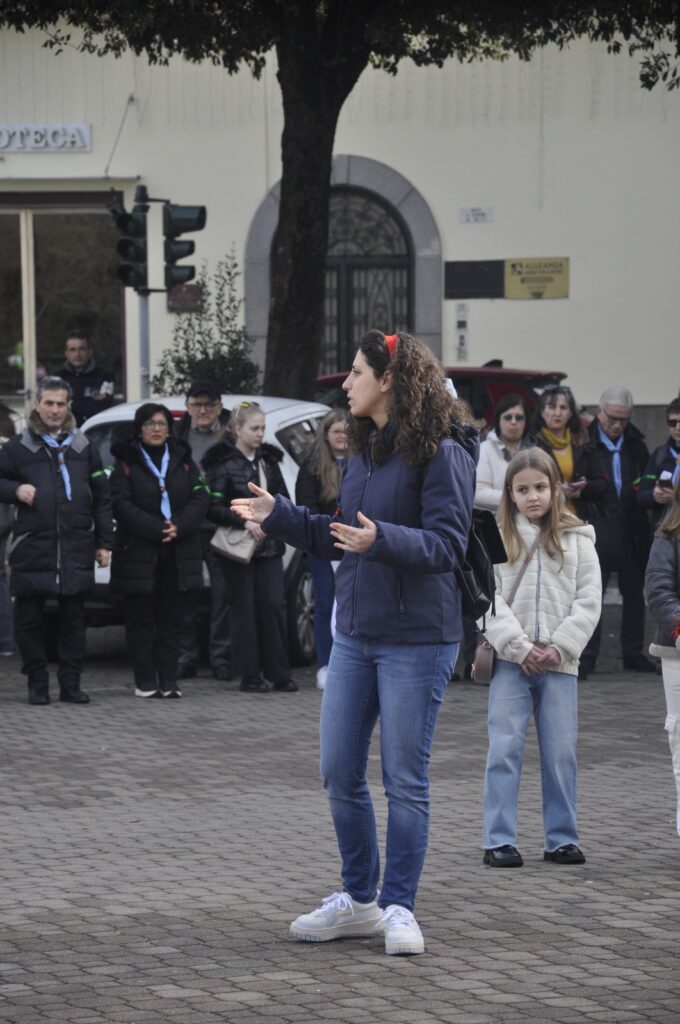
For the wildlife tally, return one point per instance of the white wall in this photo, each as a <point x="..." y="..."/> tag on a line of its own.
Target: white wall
<point x="574" y="157"/>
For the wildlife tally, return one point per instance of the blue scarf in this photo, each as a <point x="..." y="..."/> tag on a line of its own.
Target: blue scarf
<point x="615" y="449"/>
<point x="60" y="448"/>
<point x="674" y="454"/>
<point x="160" y="476"/>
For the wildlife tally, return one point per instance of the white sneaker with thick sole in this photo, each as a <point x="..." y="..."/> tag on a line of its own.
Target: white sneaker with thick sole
<point x="401" y="931"/>
<point x="338" y="917"/>
<point x="321" y="677"/>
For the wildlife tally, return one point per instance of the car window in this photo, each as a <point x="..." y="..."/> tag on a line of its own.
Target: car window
<point x="297" y="438"/>
<point x="103" y="436"/>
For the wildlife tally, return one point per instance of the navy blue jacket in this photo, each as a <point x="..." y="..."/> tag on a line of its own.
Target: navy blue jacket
<point x="402" y="590"/>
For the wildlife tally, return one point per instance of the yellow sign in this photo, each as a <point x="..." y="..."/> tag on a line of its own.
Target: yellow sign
<point x="537" y="278"/>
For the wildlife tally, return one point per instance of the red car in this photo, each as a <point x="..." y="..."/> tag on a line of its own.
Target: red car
<point x="480" y="386"/>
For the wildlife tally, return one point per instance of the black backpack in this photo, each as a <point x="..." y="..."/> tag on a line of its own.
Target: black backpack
<point x="475" y="576"/>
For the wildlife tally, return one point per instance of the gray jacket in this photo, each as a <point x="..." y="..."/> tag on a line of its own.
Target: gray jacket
<point x="662" y="587"/>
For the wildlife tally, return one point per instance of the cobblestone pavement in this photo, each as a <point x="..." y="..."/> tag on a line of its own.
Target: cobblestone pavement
<point x="153" y="853"/>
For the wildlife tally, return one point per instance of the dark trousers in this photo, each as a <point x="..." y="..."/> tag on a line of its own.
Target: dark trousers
<point x="220" y="643"/>
<point x="259" y="636"/>
<point x="323" y="579"/>
<point x="631" y="583"/>
<point x="29" y="631"/>
<point x="152" y="625"/>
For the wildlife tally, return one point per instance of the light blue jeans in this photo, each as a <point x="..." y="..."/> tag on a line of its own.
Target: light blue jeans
<point x="513" y="698"/>
<point x="404" y="686"/>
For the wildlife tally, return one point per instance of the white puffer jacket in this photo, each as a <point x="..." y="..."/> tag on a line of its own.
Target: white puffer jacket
<point x="491" y="470"/>
<point x="556" y="604"/>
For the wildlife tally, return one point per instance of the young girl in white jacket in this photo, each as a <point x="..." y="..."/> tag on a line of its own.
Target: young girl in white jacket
<point x="538" y="640"/>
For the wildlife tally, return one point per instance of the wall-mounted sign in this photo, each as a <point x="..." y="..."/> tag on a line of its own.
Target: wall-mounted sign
<point x="537" y="278"/>
<point x="475" y="214"/>
<point x="45" y="138"/>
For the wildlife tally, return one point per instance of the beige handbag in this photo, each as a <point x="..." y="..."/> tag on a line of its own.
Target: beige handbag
<point x="485" y="655"/>
<point x="236" y="542"/>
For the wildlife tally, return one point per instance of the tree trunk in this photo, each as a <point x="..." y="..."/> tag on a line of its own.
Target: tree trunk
<point x="313" y="87"/>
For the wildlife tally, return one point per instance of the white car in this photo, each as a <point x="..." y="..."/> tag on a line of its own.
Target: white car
<point x="289" y="424"/>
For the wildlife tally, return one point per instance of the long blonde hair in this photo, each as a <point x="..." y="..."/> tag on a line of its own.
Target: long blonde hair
<point x="556" y="519"/>
<point x="670" y="524"/>
<point x="322" y="461"/>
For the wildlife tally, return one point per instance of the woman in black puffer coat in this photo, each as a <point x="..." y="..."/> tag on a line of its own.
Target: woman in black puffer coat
<point x="259" y="640"/>
<point x="159" y="502"/>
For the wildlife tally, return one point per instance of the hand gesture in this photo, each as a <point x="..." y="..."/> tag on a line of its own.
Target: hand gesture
<point x="254" y="510"/>
<point x="25" y="493"/>
<point x="352" y="538"/>
<point x="169" y="532"/>
<point x="550" y="658"/>
<point x="102" y="557"/>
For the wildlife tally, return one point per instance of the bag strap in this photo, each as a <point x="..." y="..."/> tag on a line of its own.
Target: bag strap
<point x="525" y="565"/>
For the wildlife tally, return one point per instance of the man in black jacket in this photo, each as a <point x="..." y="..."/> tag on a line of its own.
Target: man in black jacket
<point x="91" y="386"/>
<point x="622" y="534"/>
<point x="204" y="425"/>
<point x="63" y="523"/>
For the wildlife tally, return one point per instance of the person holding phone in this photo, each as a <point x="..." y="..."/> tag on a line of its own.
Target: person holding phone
<point x="663" y="469"/>
<point x="559" y="432"/>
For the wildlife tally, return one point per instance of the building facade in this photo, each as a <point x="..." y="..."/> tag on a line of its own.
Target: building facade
<point x="444" y="181"/>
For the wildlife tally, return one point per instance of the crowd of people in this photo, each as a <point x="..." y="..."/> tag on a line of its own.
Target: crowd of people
<point x="384" y="510"/>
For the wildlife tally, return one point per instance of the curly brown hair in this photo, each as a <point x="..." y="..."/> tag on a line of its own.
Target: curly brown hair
<point x="420" y="410"/>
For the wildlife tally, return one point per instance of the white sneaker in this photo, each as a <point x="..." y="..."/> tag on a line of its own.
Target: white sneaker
<point x="321" y="677"/>
<point x="401" y="931"/>
<point x="147" y="693"/>
<point x="338" y="917"/>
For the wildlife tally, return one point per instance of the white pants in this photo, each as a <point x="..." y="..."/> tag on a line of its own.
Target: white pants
<point x="670" y="669"/>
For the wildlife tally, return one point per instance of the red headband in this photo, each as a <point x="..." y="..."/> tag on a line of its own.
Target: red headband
<point x="391" y="342"/>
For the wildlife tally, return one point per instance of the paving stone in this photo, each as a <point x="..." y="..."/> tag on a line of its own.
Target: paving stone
<point x="153" y="857"/>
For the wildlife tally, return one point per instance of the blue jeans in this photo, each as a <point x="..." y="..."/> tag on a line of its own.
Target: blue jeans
<point x="513" y="698"/>
<point x="404" y="686"/>
<point x="323" y="579"/>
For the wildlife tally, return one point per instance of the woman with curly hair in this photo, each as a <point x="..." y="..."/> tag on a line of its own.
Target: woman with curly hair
<point x="401" y="526"/>
<point x="316" y="487"/>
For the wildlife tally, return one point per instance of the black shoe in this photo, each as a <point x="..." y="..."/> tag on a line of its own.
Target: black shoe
<point x="503" y="857"/>
<point x="38" y="698"/>
<point x="222" y="673"/>
<point x="568" y="854"/>
<point x="254" y="684"/>
<point x="287" y="686"/>
<point x="639" y="664"/>
<point x="170" y="690"/>
<point x="186" y="671"/>
<point x="74" y="696"/>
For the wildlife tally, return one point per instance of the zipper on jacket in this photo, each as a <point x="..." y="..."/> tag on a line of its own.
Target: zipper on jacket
<point x="56" y="504"/>
<point x="358" y="562"/>
<point x="400" y="594"/>
<point x="538" y="593"/>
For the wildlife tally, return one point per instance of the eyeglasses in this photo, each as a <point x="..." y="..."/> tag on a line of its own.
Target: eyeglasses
<point x="673" y="424"/>
<point x="517" y="417"/>
<point x="201" y="406"/>
<point x="155" y="424"/>
<point x="623" y="420"/>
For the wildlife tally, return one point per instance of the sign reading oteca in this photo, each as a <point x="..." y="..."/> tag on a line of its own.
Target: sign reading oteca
<point x="45" y="138"/>
<point x="546" y="278"/>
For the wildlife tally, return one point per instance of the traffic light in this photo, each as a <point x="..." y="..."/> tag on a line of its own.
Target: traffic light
<point x="133" y="270"/>
<point x="177" y="220"/>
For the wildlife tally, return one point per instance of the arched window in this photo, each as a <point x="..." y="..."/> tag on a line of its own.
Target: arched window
<point x="368" y="274"/>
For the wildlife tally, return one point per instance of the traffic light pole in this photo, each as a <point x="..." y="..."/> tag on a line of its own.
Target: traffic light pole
<point x="144" y="373"/>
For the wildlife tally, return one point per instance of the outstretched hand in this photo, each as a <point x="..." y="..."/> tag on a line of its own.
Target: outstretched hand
<point x="352" y="538"/>
<point x="254" y="510"/>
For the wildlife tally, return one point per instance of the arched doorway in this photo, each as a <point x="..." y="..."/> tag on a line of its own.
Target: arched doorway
<point x="385" y="185"/>
<point x="368" y="274"/>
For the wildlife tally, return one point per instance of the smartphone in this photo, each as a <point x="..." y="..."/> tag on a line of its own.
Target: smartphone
<point x="665" y="479"/>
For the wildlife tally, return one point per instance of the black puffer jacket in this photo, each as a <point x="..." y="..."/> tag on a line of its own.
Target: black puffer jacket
<point x="229" y="472"/>
<point x="139" y="521"/>
<point x="308" y="490"/>
<point x="54" y="540"/>
<point x="623" y="531"/>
